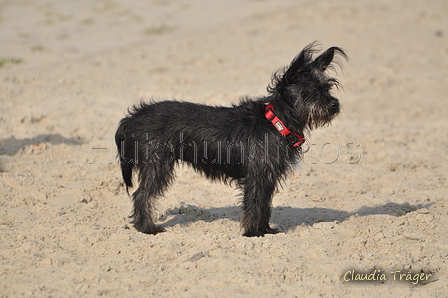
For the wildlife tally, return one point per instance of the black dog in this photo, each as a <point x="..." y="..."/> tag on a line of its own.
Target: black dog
<point x="254" y="144"/>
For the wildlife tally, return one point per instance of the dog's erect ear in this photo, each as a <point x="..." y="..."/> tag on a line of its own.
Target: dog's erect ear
<point x="304" y="57"/>
<point x="324" y="60"/>
<point x="302" y="65"/>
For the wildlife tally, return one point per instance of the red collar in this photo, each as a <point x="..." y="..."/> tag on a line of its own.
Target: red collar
<point x="294" y="139"/>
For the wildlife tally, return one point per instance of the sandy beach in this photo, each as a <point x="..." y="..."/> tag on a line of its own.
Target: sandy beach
<point x="369" y="200"/>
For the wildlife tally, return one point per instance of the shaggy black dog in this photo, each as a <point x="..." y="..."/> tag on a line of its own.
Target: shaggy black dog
<point x="254" y="143"/>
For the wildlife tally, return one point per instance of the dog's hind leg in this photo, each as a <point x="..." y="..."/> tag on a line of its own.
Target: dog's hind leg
<point x="154" y="179"/>
<point x="256" y="206"/>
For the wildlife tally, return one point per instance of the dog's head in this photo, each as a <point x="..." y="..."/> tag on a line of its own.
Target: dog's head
<point x="304" y="88"/>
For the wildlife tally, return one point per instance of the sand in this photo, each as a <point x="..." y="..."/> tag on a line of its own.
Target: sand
<point x="371" y="194"/>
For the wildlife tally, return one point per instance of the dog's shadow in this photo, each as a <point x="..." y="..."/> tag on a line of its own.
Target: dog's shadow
<point x="11" y="145"/>
<point x="285" y="218"/>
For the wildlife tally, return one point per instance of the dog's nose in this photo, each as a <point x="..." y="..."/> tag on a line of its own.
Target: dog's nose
<point x="335" y="105"/>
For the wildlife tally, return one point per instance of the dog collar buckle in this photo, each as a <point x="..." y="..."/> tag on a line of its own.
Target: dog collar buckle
<point x="295" y="140"/>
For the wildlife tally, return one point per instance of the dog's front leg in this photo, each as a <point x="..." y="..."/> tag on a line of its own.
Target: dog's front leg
<point x="256" y="206"/>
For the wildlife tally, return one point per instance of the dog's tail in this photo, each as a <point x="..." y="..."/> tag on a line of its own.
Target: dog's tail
<point x="126" y="150"/>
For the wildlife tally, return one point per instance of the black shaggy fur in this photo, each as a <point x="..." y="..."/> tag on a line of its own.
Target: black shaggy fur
<point x="227" y="144"/>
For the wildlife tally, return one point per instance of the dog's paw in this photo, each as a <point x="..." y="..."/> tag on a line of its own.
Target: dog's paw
<point x="153" y="230"/>
<point x="253" y="233"/>
<point x="260" y="232"/>
<point x="271" y="231"/>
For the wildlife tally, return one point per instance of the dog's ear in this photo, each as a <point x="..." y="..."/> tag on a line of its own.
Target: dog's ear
<point x="302" y="65"/>
<point x="324" y="60"/>
<point x="298" y="63"/>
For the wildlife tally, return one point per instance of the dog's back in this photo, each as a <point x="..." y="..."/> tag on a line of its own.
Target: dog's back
<point x="151" y="131"/>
